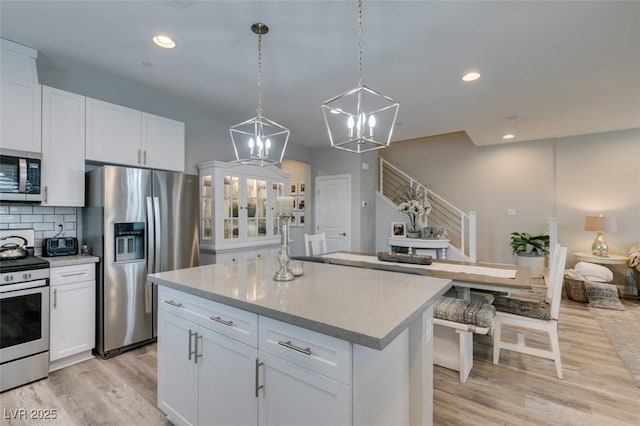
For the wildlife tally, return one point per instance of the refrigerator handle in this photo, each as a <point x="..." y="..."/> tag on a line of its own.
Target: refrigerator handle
<point x="148" y="298"/>
<point x="151" y="246"/>
<point x="158" y="234"/>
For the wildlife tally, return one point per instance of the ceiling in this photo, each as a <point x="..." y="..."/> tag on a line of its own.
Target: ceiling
<point x="564" y="67"/>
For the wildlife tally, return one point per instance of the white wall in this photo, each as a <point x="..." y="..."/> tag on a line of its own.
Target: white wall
<point x="206" y="137"/>
<point x="329" y="161"/>
<point x="300" y="172"/>
<point x="566" y="177"/>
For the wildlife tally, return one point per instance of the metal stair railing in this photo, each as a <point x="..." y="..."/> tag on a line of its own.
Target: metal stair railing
<point x="460" y="227"/>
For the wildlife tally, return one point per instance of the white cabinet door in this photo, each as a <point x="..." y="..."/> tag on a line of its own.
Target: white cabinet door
<point x="162" y="143"/>
<point x="63" y="144"/>
<point x="177" y="371"/>
<point x="21" y="115"/>
<point x="227" y="381"/>
<point x="113" y="133"/>
<point x="72" y="319"/>
<point x="296" y="396"/>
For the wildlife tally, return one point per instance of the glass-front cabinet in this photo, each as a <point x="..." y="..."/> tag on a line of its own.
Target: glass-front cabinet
<point x="237" y="206"/>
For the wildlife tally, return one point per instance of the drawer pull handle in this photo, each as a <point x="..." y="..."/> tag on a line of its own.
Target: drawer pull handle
<point x="191" y="351"/>
<point x="289" y="345"/>
<point x="221" y="321"/>
<point x="258" y="385"/>
<point x="172" y="303"/>
<point x="196" y="354"/>
<point x="75" y="274"/>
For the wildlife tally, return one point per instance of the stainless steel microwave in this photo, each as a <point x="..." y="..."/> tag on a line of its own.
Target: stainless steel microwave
<point x="20" y="174"/>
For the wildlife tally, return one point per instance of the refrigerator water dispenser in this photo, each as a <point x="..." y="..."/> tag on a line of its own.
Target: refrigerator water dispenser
<point x="129" y="241"/>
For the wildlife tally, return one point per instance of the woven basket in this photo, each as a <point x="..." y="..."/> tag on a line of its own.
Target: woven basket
<point x="575" y="290"/>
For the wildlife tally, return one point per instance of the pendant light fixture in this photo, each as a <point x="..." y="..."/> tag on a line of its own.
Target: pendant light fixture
<point x="259" y="141"/>
<point x="361" y="119"/>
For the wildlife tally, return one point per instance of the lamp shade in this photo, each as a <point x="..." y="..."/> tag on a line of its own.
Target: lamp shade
<point x="595" y="223"/>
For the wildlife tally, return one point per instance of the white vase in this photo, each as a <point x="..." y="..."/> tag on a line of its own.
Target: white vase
<point x="535" y="263"/>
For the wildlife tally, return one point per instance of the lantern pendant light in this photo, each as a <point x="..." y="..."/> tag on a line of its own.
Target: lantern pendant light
<point x="361" y="119"/>
<point x="259" y="141"/>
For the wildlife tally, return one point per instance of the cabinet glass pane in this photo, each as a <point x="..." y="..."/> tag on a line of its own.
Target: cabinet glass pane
<point x="252" y="228"/>
<point x="207" y="233"/>
<point x="262" y="189"/>
<point x="262" y="227"/>
<point x="251" y="208"/>
<point x="230" y="228"/>
<point x="206" y="204"/>
<point x="262" y="208"/>
<point x="277" y="189"/>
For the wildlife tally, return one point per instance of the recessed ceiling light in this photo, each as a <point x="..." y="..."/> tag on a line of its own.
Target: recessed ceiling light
<point x="472" y="76"/>
<point x="509" y="136"/>
<point x="164" y="41"/>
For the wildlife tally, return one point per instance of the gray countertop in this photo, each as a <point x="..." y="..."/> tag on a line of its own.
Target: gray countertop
<point x="57" y="261"/>
<point x="363" y="306"/>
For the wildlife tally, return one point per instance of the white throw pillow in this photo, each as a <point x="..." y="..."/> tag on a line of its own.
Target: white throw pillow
<point x="593" y="272"/>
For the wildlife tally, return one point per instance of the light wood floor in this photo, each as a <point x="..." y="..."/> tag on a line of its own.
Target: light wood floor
<point x="596" y="390"/>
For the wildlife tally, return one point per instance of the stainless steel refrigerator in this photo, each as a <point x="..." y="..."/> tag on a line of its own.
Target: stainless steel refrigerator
<point x="138" y="222"/>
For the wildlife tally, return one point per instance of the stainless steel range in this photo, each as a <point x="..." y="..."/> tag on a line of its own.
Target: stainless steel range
<point x="24" y="315"/>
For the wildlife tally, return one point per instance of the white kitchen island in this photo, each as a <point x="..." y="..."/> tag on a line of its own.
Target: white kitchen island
<point x="336" y="346"/>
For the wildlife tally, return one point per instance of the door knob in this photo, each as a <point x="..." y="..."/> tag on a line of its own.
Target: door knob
<point x="344" y="234"/>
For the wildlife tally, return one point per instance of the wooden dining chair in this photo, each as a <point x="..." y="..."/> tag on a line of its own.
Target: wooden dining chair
<point x="315" y="244"/>
<point x="531" y="315"/>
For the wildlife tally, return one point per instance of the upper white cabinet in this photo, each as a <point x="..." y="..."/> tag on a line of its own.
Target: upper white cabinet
<point x="113" y="133"/>
<point x="63" y="143"/>
<point x="237" y="206"/>
<point x="21" y="115"/>
<point x="120" y="135"/>
<point x="162" y="142"/>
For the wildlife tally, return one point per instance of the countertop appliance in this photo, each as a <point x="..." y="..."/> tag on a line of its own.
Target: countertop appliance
<point x="24" y="315"/>
<point x="59" y="246"/>
<point x="20" y="174"/>
<point x="138" y="222"/>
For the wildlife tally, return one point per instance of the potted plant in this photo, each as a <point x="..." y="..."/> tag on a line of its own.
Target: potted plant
<point x="416" y="206"/>
<point x="530" y="250"/>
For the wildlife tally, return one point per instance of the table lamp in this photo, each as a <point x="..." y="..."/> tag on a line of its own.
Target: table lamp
<point x="597" y="224"/>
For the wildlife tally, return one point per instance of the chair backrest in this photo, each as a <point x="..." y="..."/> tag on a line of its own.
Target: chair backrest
<point x="315" y="244"/>
<point x="557" y="276"/>
<point x="553" y="264"/>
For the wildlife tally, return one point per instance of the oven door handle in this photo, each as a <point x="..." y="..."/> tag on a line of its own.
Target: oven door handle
<point x="22" y="286"/>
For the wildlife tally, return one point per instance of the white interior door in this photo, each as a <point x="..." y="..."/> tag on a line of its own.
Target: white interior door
<point x="333" y="210"/>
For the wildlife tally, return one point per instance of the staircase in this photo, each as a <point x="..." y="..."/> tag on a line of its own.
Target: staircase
<point x="460" y="227"/>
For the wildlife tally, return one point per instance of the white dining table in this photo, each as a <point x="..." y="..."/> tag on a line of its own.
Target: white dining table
<point x="464" y="275"/>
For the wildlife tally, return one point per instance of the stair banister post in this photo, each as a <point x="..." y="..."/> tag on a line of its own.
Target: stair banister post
<point x="381" y="175"/>
<point x="473" y="255"/>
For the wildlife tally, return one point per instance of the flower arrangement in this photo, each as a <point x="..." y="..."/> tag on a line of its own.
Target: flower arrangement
<point x="416" y="206"/>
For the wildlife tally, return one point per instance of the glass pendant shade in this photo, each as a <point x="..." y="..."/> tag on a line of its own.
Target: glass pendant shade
<point x="259" y="141"/>
<point x="360" y="120"/>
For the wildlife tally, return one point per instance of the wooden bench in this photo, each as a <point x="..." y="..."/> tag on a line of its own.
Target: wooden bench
<point x="454" y="323"/>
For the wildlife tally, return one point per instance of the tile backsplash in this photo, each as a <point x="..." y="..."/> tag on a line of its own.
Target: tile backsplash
<point x="43" y="219"/>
